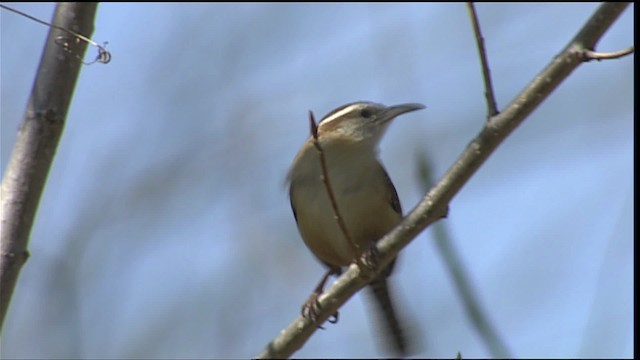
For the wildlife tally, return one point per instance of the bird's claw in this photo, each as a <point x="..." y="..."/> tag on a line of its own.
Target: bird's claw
<point x="369" y="260"/>
<point x="311" y="310"/>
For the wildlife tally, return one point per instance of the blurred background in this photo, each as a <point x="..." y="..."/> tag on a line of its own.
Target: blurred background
<point x="165" y="229"/>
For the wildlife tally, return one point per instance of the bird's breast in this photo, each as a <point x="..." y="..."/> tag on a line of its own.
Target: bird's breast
<point x="362" y="198"/>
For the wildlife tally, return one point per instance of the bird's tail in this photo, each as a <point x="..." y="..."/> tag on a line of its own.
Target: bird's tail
<point x="394" y="333"/>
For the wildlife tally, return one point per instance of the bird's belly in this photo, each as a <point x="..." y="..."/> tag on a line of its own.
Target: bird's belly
<point x="367" y="217"/>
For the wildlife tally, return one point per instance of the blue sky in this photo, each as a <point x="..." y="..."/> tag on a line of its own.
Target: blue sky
<point x="165" y="229"/>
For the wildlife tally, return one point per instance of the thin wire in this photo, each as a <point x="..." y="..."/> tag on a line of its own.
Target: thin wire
<point x="103" y="57"/>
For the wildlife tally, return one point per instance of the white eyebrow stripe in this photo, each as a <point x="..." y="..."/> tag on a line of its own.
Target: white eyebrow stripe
<point x="340" y="113"/>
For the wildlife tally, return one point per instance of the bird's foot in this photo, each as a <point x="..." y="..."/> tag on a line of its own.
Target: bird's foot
<point x="311" y="308"/>
<point x="369" y="260"/>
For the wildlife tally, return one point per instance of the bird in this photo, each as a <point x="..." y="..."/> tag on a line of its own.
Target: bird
<point x="364" y="195"/>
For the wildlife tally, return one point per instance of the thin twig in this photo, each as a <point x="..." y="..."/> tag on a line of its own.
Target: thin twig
<point x="492" y="106"/>
<point x="355" y="247"/>
<point x="592" y="55"/>
<point x="103" y="56"/>
<point x="461" y="279"/>
<point x="435" y="202"/>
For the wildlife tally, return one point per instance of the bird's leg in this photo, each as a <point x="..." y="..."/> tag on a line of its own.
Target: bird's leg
<point x="311" y="307"/>
<point x="370" y="259"/>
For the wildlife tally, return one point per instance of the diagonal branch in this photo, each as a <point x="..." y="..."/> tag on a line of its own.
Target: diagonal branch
<point x="37" y="141"/>
<point x="460" y="277"/>
<point x="435" y="202"/>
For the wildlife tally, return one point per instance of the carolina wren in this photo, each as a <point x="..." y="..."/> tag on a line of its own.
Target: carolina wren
<point x="364" y="194"/>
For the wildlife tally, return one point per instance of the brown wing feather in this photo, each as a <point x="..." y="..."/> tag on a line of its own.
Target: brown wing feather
<point x="393" y="196"/>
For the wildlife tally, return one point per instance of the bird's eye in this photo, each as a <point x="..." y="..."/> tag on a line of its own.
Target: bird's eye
<point x="366" y="113"/>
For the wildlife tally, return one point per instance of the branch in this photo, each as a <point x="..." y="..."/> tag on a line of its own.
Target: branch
<point x="492" y="106"/>
<point x="592" y="55"/>
<point x="37" y="141"/>
<point x="435" y="202"/>
<point x="460" y="277"/>
<point x="327" y="184"/>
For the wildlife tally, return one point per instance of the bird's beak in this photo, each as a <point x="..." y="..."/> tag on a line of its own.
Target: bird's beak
<point x="392" y="112"/>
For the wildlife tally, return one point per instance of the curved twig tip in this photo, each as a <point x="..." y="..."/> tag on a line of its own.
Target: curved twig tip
<point x="103" y="57"/>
